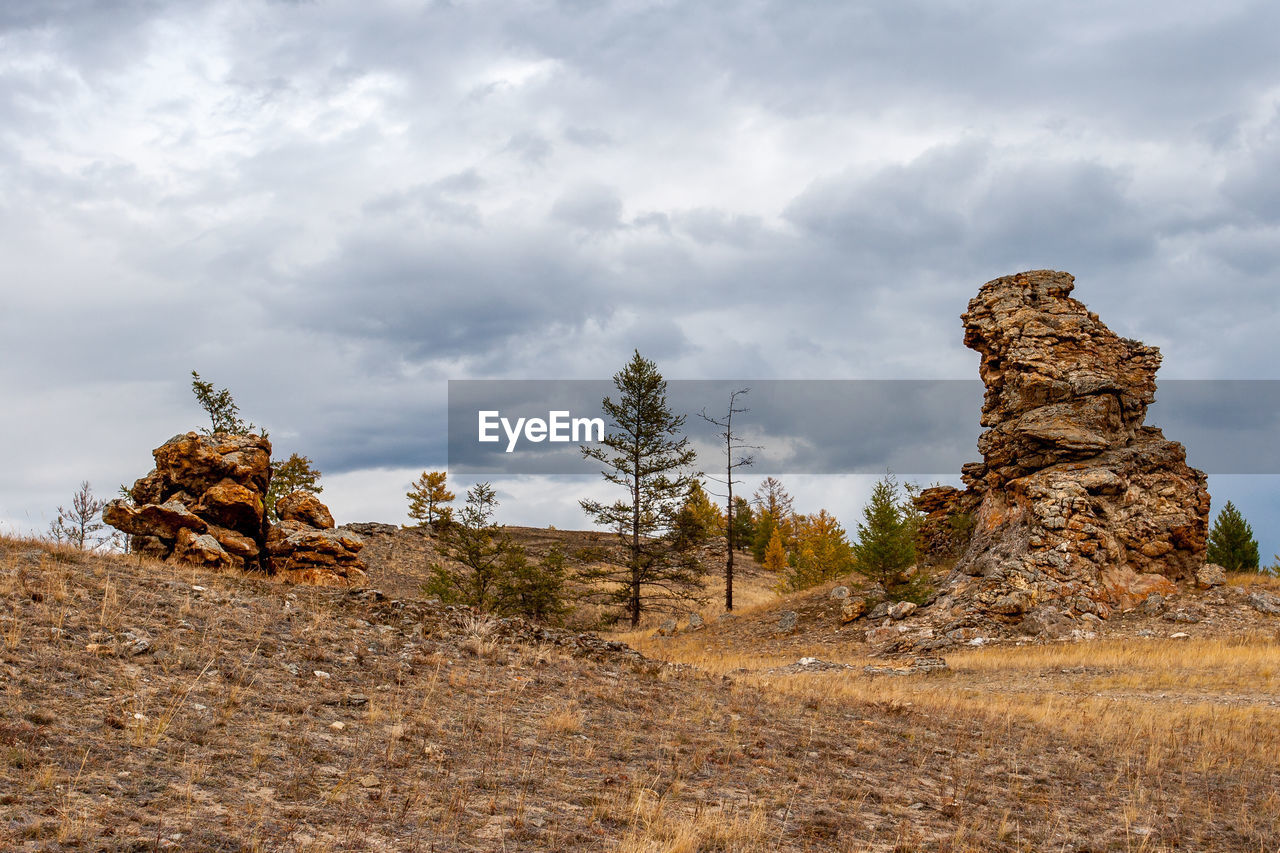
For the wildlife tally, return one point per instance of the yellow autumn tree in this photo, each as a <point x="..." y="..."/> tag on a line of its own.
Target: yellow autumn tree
<point x="822" y="551"/>
<point x="775" y="556"/>
<point x="428" y="498"/>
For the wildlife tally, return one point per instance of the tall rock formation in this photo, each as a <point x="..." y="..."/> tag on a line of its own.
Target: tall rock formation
<point x="1076" y="501"/>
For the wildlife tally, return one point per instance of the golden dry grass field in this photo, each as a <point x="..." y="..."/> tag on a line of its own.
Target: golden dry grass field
<point x="146" y="706"/>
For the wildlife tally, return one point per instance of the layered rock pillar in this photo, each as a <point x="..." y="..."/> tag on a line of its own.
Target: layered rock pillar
<point x="1077" y="501"/>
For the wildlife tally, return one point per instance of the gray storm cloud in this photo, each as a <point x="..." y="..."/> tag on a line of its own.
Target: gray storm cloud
<point x="335" y="208"/>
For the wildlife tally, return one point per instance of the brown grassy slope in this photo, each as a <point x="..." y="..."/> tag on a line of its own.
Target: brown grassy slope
<point x="139" y="712"/>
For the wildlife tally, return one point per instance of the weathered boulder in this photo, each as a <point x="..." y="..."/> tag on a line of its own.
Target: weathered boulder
<point x="159" y="520"/>
<point x="1076" y="501"/>
<point x="306" y="508"/>
<point x="902" y="609"/>
<point x="202" y="549"/>
<point x="207" y="485"/>
<point x="1210" y="575"/>
<point x="851" y="609"/>
<point x="204" y="503"/>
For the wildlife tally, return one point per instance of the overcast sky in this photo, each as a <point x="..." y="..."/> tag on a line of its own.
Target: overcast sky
<point x="333" y="208"/>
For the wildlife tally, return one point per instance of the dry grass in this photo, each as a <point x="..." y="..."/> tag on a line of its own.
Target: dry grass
<point x="429" y="730"/>
<point x="1191" y="728"/>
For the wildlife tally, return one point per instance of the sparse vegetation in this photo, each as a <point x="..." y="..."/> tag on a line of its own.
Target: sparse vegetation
<point x="489" y="572"/>
<point x="81" y="526"/>
<point x="261" y="715"/>
<point x="221" y="407"/>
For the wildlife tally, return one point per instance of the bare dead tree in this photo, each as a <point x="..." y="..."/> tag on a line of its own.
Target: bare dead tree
<point x="734" y="459"/>
<point x="82" y="524"/>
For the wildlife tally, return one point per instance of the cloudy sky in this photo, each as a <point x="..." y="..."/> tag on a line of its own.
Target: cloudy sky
<point x="332" y="208"/>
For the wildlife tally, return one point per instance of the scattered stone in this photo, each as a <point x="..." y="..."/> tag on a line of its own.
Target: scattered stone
<point x="787" y="621"/>
<point x="137" y="641"/>
<point x="321" y="674"/>
<point x="1210" y="575"/>
<point x="884" y="635"/>
<point x="881" y="610"/>
<point x="696" y="622"/>
<point x="1264" y="602"/>
<point x="902" y="610"/>
<point x="1181" y="616"/>
<point x="838" y="593"/>
<point x="369" y="781"/>
<point x="851" y="609"/>
<point x="1152" y="605"/>
<point x="809" y="664"/>
<point x="337" y="726"/>
<point x="1048" y="622"/>
<point x="667" y="628"/>
<point x="914" y="666"/>
<point x="1181" y="635"/>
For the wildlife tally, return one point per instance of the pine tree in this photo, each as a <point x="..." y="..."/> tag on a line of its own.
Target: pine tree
<point x="476" y="543"/>
<point x="699" y="519"/>
<point x="775" y="556"/>
<point x="775" y="512"/>
<point x="535" y="590"/>
<point x="765" y="527"/>
<point x="1231" y="542"/>
<point x="886" y="537"/>
<point x="428" y="497"/>
<point x="644" y="454"/>
<point x="224" y="414"/>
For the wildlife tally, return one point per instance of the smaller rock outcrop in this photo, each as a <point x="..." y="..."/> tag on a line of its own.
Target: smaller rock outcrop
<point x="204" y="503"/>
<point x="306" y="548"/>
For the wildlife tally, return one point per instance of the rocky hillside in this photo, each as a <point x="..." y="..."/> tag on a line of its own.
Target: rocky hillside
<point x="151" y="706"/>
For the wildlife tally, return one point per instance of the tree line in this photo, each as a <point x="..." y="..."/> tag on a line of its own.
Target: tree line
<point x="664" y="519"/>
